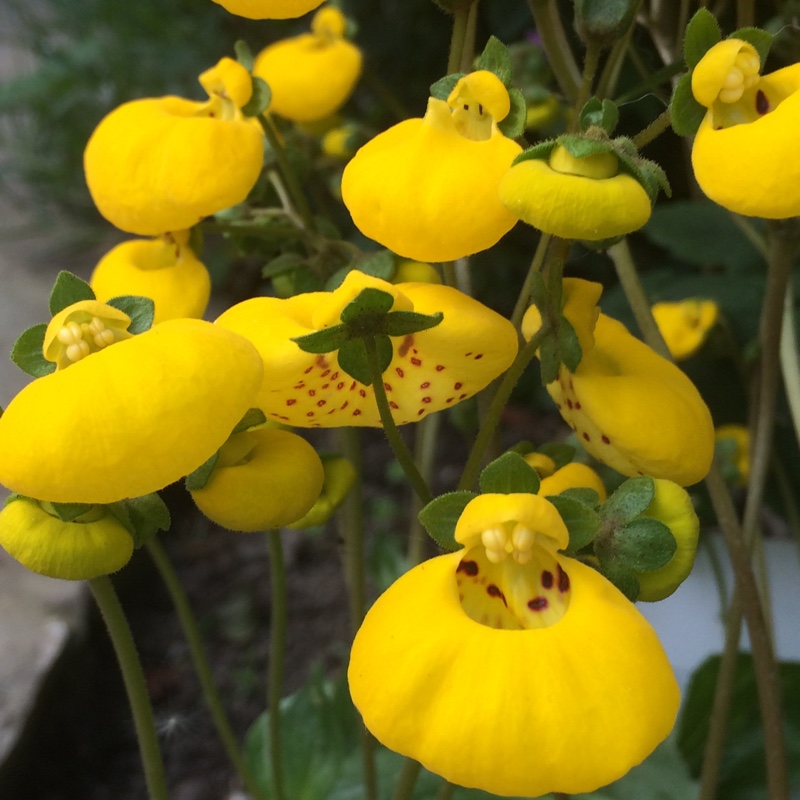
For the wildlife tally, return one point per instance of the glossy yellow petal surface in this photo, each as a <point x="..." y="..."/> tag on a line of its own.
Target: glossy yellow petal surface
<point x="431" y="370"/>
<point x="685" y="325"/>
<point x="569" y="707"/>
<point x="130" y="419"/>
<point x="574" y="206"/>
<point x="163" y="269"/>
<point x="162" y="164"/>
<point x="270" y="9"/>
<point x="427" y="192"/>
<point x="77" y="550"/>
<point x="573" y="476"/>
<point x="264" y="479"/>
<point x="711" y="74"/>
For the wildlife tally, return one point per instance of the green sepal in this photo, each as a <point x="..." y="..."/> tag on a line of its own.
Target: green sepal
<point x="282" y="263"/>
<point x="260" y="98"/>
<point x="623" y="578"/>
<point x="252" y="418"/>
<point x="141" y="310"/>
<point x="325" y="341"/>
<point x="643" y="545"/>
<point x="509" y="474"/>
<point x="570" y="348"/>
<point x="702" y="33"/>
<point x="368" y="303"/>
<point x="685" y="112"/>
<point x="244" y="55"/>
<point x="540" y="151"/>
<point x="199" y="478"/>
<point x="68" y="289"/>
<point x="583" y="494"/>
<point x="379" y="264"/>
<point x="760" y="39"/>
<point x="27" y="352"/>
<point x="582" y="521"/>
<point x="562" y="454"/>
<point x="603" y="21"/>
<point x="440" y="516"/>
<point x="403" y="323"/>
<point x="143" y="516"/>
<point x="646" y="172"/>
<point x="538" y="291"/>
<point x="523" y="448"/>
<point x="496" y="58"/>
<point x="443" y="88"/>
<point x="67" y="512"/>
<point x="629" y="501"/>
<point x="582" y="146"/>
<point x="549" y="360"/>
<point x="513" y="125"/>
<point x="352" y="358"/>
<point x="598" y="113"/>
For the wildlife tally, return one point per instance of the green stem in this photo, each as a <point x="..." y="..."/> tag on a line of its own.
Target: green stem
<point x="445" y="791"/>
<point x="401" y="452"/>
<point x="133" y="677"/>
<point x="653" y="130"/>
<point x="468" y="49"/>
<point x="406" y="780"/>
<point x="524" y="298"/>
<point x="492" y="418"/>
<point x="201" y="666"/>
<point x="277" y="650"/>
<point x="590" y="62"/>
<point x="790" y="363"/>
<point x="458" y="37"/>
<point x="607" y="82"/>
<point x="556" y="46"/>
<point x="427" y="433"/>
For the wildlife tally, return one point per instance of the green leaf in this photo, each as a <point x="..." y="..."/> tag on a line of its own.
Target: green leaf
<point x="379" y="264"/>
<point x="353" y="360"/>
<point x="403" y="323"/>
<point x="368" y="302"/>
<point x="584" y="494"/>
<point x="68" y="289"/>
<point x="199" y="478"/>
<point x="685" y="112"/>
<point x="624" y="578"/>
<point x="599" y="113"/>
<point x="252" y="418"/>
<point x="539" y="151"/>
<point x="324" y="341"/>
<point x="442" y="88"/>
<point x="495" y="58"/>
<point x="630" y="500"/>
<point x="282" y="263"/>
<point x="440" y="516"/>
<point x="244" y="55"/>
<point x="549" y="360"/>
<point x="27" y="352"/>
<point x="571" y="352"/>
<point x="509" y="474"/>
<point x="702" y="33"/>
<point x="582" y="146"/>
<point x="70" y="511"/>
<point x="582" y="522"/>
<point x="644" y="544"/>
<point x="513" y="125"/>
<point x="142" y="516"/>
<point x="760" y="39"/>
<point x="141" y="310"/>
<point x="538" y="291"/>
<point x="260" y="98"/>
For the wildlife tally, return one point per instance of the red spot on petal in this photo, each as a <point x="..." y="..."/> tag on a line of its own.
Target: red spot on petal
<point x="563" y="580"/>
<point x="469" y="567"/>
<point x="426" y="399"/>
<point x="357" y="412"/>
<point x="300" y="385"/>
<point x="605" y="440"/>
<point x="324" y="373"/>
<point x="479" y="356"/>
<point x="569" y="403"/>
<point x="461" y="396"/>
<point x="387" y="386"/>
<point x="399" y="372"/>
<point x="306" y="371"/>
<point x="340" y="386"/>
<point x="416" y="362"/>
<point x="494" y="591"/>
<point x="392" y="404"/>
<point x="362" y="392"/>
<point x="458" y="386"/>
<point x="449" y="399"/>
<point x="310" y="414"/>
<point x="467" y="355"/>
<point x="291" y="401"/>
<point x="762" y="102"/>
<point x="312" y="392"/>
<point x="344" y="405"/>
<point x="353" y="385"/>
<point x="577" y="406"/>
<point x="335" y="375"/>
<point x="325" y="385"/>
<point x="420" y="412"/>
<point x="538" y="604"/>
<point x="321" y="403"/>
<point x="425" y="385"/>
<point x="439" y="367"/>
<point x="547" y="579"/>
<point x="587" y="437"/>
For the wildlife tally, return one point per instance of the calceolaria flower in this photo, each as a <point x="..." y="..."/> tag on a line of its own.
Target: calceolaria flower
<point x="93" y="544"/>
<point x="744" y="151"/>
<point x="509" y="667"/>
<point x="430" y="370"/>
<point x="571" y="476"/>
<point x="269" y="9"/>
<point x="165" y="269"/>
<point x="123" y="417"/>
<point x="312" y="75"/>
<point x="264" y="478"/>
<point x="162" y="164"/>
<point x="629" y="407"/>
<point x="427" y="188"/>
<point x="685" y="325"/>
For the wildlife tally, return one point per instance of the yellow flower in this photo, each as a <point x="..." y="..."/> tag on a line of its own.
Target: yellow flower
<point x="685" y="325"/>
<point x="572" y="476"/>
<point x="269" y="9"/>
<point x="264" y="478"/>
<point x="311" y="76"/>
<point x="130" y="418"/>
<point x="509" y="667"/>
<point x="94" y="544"/>
<point x="164" y="269"/>
<point x="415" y="272"/>
<point x="576" y="198"/>
<point x="162" y="164"/>
<point x="431" y="370"/>
<point x="340" y="475"/>
<point x="427" y="188"/>
<point x="740" y="436"/>
<point x="629" y="407"/>
<point x="744" y="151"/>
<point x="542" y="113"/>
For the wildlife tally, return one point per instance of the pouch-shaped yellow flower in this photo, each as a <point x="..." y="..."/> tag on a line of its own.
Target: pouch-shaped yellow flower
<point x="264" y="478"/>
<point x="130" y="418"/>
<point x="312" y="75"/>
<point x="431" y="370"/>
<point x="165" y="269"/>
<point x="744" y="153"/>
<point x="94" y="544"/>
<point x="572" y="476"/>
<point x="509" y="667"/>
<point x="162" y="164"/>
<point x="427" y="188"/>
<point x="685" y="325"/>
<point x="629" y="407"/>
<point x="576" y="198"/>
<point x="269" y="9"/>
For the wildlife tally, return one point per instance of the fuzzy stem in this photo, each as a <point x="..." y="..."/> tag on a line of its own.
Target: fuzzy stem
<point x="458" y="38"/>
<point x="524" y="297"/>
<point x="556" y="46"/>
<point x="660" y="124"/>
<point x="468" y="49"/>
<point x="427" y="433"/>
<point x="590" y="62"/>
<point x="201" y="666"/>
<point x="133" y="677"/>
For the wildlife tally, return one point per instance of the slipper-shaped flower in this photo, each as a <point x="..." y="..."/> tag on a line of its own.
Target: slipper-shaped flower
<point x="427" y="188"/>
<point x="269" y="9"/>
<point x="264" y="478"/>
<point x="129" y="418"/>
<point x="162" y="164"/>
<point x="572" y="476"/>
<point x="312" y="75"/>
<point x="630" y="408"/>
<point x="510" y="668"/>
<point x="744" y="153"/>
<point x="165" y="269"/>
<point x="685" y="325"/>
<point x="430" y="370"/>
<point x="93" y="544"/>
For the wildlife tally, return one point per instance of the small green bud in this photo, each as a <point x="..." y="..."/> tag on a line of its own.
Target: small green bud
<point x="603" y="21"/>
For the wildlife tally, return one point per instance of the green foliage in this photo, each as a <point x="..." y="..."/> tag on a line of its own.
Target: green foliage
<point x="143" y="516"/>
<point x="630" y="500"/>
<point x="495" y="58"/>
<point x="685" y="112"/>
<point x="702" y="33"/>
<point x="514" y="124"/>
<point x="509" y="474"/>
<point x="641" y="545"/>
<point x="760" y="39"/>
<point x="27" y="352"/>
<point x="141" y="310"/>
<point x="259" y="100"/>
<point x="442" y="88"/>
<point x="199" y="478"/>
<point x="252" y="418"/>
<point x="68" y="289"/>
<point x="440" y="516"/>
<point x="67" y="512"/>
<point x="599" y="113"/>
<point x="581" y="519"/>
<point x="603" y="21"/>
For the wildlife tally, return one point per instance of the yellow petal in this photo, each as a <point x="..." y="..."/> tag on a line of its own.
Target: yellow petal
<point x="685" y="325"/>
<point x="569" y="707"/>
<point x="710" y="73"/>
<point x="269" y="9"/>
<point x="572" y="476"/>
<point x="130" y="419"/>
<point x="340" y="475"/>
<point x="95" y="544"/>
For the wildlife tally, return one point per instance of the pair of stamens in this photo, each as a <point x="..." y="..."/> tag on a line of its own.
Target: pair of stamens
<point x="81" y="339"/>
<point x="499" y="544"/>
